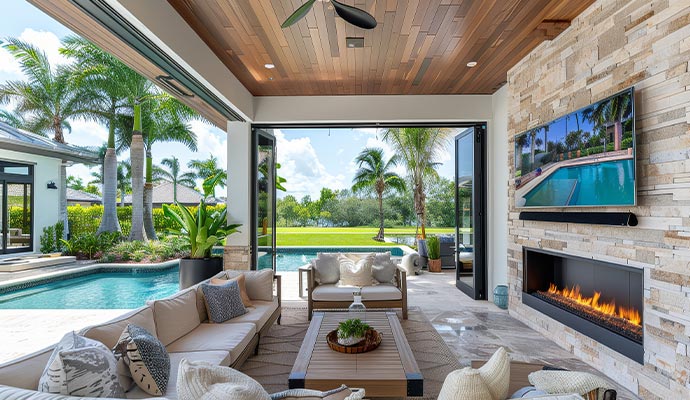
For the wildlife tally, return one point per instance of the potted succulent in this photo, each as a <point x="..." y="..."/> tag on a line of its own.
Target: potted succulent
<point x="203" y="230"/>
<point x="352" y="331"/>
<point x="433" y="245"/>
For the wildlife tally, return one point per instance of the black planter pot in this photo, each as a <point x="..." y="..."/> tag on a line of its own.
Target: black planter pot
<point x="195" y="270"/>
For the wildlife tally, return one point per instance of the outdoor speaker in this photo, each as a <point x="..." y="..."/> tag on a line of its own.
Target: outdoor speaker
<point x="598" y="218"/>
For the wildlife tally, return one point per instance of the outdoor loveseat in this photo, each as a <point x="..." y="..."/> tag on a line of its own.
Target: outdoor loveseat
<point x="180" y="322"/>
<point x="325" y="292"/>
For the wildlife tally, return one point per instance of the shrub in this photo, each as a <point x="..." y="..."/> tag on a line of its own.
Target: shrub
<point x="89" y="246"/>
<point x="48" y="240"/>
<point x="152" y="251"/>
<point x="433" y="245"/>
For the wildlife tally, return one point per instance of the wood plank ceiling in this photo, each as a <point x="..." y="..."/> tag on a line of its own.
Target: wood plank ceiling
<point x="418" y="47"/>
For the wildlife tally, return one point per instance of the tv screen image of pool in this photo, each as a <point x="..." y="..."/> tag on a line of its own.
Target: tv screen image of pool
<point x="583" y="159"/>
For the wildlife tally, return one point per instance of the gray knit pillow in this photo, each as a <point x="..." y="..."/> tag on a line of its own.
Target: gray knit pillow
<point x="223" y="302"/>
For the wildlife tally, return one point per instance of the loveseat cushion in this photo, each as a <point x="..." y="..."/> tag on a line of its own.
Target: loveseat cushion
<point x="258" y="314"/>
<point x="259" y="284"/>
<point x="211" y="357"/>
<point x="109" y="333"/>
<point x="233" y="338"/>
<point x="369" y="293"/>
<point x="175" y="316"/>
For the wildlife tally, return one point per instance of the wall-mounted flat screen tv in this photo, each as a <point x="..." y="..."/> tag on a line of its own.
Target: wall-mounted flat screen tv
<point x="583" y="159"/>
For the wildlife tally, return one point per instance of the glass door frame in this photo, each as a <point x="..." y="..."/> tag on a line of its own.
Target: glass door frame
<point x="10" y="179"/>
<point x="256" y="132"/>
<point x="478" y="290"/>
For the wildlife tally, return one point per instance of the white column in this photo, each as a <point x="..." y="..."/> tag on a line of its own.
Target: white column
<point x="237" y="249"/>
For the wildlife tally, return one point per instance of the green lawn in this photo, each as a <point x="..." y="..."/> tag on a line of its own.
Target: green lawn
<point x="359" y="236"/>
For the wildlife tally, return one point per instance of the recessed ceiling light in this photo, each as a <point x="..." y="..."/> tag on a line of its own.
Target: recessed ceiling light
<point x="472" y="64"/>
<point x="269" y="66"/>
<point x="270" y="78"/>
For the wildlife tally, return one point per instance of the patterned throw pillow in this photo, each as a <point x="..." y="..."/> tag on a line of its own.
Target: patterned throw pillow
<point x="243" y="287"/>
<point x="146" y="357"/>
<point x="223" y="302"/>
<point x="358" y="274"/>
<point x="82" y="367"/>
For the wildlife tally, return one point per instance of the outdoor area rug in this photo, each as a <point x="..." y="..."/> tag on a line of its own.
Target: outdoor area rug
<point x="278" y="351"/>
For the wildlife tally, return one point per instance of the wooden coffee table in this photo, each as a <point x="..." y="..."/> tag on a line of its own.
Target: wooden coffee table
<point x="388" y="371"/>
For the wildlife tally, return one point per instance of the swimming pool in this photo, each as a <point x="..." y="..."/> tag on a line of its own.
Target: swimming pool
<point x="291" y="258"/>
<point x="99" y="290"/>
<point x="609" y="182"/>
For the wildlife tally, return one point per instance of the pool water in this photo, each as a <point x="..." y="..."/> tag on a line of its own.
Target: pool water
<point x="290" y="259"/>
<point x="107" y="290"/>
<point x="605" y="183"/>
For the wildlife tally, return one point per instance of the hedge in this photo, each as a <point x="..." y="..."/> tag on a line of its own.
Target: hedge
<point x="85" y="220"/>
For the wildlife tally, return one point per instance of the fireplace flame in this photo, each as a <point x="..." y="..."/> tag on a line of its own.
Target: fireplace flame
<point x="629" y="314"/>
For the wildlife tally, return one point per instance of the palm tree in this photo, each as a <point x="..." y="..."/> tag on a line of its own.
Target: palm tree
<point x="116" y="84"/>
<point x="164" y="120"/>
<point x="612" y="111"/>
<point x="14" y="120"/>
<point x="47" y="100"/>
<point x="124" y="179"/>
<point x="419" y="150"/>
<point x="174" y="174"/>
<point x="375" y="173"/>
<point x="204" y="169"/>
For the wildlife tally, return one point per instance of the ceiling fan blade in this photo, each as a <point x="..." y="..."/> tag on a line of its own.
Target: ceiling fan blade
<point x="298" y="14"/>
<point x="355" y="16"/>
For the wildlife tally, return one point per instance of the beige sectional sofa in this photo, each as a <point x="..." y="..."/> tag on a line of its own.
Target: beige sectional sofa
<point x="181" y="324"/>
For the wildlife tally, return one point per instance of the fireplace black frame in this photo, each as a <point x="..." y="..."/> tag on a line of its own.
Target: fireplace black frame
<point x="624" y="345"/>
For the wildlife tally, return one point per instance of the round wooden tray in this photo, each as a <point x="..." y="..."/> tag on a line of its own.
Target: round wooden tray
<point x="372" y="340"/>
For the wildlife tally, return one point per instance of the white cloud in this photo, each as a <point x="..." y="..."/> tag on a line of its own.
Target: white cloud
<point x="211" y="140"/>
<point x="300" y="165"/>
<point x="48" y="42"/>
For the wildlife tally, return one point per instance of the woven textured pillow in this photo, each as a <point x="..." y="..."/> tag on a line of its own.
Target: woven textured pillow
<point x="146" y="357"/>
<point x="326" y="268"/>
<point x="341" y="393"/>
<point x="465" y="384"/>
<point x="82" y="367"/>
<point x="555" y="382"/>
<point x="223" y="302"/>
<point x="243" y="288"/>
<point x="496" y="374"/>
<point x="202" y="381"/>
<point x="356" y="274"/>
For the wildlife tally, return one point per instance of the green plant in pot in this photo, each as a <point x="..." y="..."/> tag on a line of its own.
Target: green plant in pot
<point x="203" y="230"/>
<point x="434" y="251"/>
<point x="352" y="331"/>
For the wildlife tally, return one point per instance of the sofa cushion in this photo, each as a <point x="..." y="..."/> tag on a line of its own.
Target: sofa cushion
<point x="14" y="374"/>
<point x="83" y="367"/>
<point x="147" y="359"/>
<point x="199" y="380"/>
<point x="175" y="316"/>
<point x="241" y="281"/>
<point x="356" y="273"/>
<point x="211" y="357"/>
<point x="257" y="314"/>
<point x="109" y="333"/>
<point x="232" y="338"/>
<point x="326" y="268"/>
<point x="259" y="283"/>
<point x="223" y="302"/>
<point x="381" y="292"/>
<point x="369" y="293"/>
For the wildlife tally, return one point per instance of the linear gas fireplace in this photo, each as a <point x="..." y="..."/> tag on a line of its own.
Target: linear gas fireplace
<point x="601" y="300"/>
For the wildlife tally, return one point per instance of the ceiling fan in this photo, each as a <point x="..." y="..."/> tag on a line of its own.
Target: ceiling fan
<point x="352" y="15"/>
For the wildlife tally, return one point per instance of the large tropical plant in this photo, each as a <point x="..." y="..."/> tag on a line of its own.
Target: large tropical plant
<point x="419" y="150"/>
<point x="208" y="168"/>
<point x="203" y="229"/>
<point x="375" y="174"/>
<point x="174" y="174"/>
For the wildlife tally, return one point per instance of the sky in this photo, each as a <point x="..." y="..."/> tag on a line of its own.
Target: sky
<point x="310" y="158"/>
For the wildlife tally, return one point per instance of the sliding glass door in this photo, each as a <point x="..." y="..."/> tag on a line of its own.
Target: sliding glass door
<point x="264" y="200"/>
<point x="470" y="212"/>
<point x="16" y="204"/>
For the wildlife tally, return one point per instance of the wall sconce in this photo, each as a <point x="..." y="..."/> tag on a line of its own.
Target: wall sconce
<point x="51" y="185"/>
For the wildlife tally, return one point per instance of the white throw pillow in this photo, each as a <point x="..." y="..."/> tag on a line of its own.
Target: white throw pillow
<point x="82" y="367"/>
<point x="202" y="381"/>
<point x="496" y="374"/>
<point x="356" y="274"/>
<point x="557" y="382"/>
<point x="326" y="268"/>
<point x="464" y="384"/>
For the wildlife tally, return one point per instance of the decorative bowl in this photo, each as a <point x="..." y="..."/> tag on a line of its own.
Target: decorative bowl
<point x="372" y="340"/>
